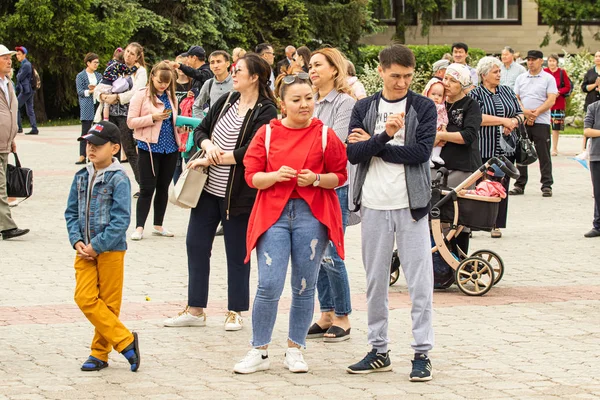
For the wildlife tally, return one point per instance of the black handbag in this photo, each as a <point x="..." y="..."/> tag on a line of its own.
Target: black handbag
<point x="19" y="180"/>
<point x="525" y="153"/>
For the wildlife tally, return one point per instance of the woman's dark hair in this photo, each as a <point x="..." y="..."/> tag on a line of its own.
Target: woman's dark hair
<point x="554" y="56"/>
<point x="304" y="52"/>
<point x="89" y="57"/>
<point x="397" y="54"/>
<point x="258" y="66"/>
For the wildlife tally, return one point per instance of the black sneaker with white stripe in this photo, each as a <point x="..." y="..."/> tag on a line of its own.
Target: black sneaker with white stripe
<point x="422" y="370"/>
<point x="373" y="362"/>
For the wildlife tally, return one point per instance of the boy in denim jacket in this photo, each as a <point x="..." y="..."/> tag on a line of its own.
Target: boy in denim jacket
<point x="98" y="214"/>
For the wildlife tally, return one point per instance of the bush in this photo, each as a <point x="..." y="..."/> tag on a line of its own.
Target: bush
<point x="425" y="55"/>
<point x="373" y="83"/>
<point x="577" y="65"/>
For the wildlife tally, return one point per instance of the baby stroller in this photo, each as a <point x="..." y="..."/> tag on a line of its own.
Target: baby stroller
<point x="474" y="274"/>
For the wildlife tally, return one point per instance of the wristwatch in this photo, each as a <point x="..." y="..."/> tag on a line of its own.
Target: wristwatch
<point x="317" y="180"/>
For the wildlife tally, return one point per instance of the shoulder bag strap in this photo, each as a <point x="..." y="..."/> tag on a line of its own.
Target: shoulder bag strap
<point x="324" y="138"/>
<point x="268" y="138"/>
<point x="17" y="161"/>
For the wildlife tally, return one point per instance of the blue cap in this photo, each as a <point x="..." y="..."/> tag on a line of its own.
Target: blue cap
<point x="495" y="171"/>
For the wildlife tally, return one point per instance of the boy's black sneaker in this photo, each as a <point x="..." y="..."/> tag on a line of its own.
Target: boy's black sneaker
<point x="422" y="370"/>
<point x="373" y="362"/>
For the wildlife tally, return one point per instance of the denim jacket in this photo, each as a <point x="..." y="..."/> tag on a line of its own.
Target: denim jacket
<point x="104" y="223"/>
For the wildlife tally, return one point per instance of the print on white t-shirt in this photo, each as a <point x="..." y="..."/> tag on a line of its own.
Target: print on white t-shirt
<point x="385" y="184"/>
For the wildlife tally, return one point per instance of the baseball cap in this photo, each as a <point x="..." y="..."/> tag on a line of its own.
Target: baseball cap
<point x="4" y="50"/>
<point x="196" y="51"/>
<point x="102" y="133"/>
<point x="534" y="54"/>
<point x="440" y="64"/>
<point x="495" y="171"/>
<point x="21" y="49"/>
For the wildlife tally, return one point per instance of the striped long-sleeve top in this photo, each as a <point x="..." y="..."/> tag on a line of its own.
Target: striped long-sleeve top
<point x="503" y="104"/>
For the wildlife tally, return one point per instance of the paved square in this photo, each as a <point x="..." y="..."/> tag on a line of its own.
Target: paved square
<point x="534" y="336"/>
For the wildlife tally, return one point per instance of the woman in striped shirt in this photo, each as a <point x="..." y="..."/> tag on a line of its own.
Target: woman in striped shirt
<point x="225" y="134"/>
<point x="501" y="114"/>
<point x="333" y="106"/>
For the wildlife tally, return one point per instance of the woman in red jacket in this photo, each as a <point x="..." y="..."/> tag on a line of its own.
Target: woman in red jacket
<point x="296" y="166"/>
<point x="563" y="83"/>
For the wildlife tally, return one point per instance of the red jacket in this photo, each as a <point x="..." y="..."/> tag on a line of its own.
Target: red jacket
<point x="561" y="103"/>
<point x="298" y="149"/>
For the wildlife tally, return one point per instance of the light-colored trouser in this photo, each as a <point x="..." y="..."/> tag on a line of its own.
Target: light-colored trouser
<point x="414" y="249"/>
<point x="6" y="221"/>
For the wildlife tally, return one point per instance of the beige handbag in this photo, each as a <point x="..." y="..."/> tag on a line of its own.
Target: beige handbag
<point x="187" y="191"/>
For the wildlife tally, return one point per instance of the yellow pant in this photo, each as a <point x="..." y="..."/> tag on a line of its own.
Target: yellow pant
<point x="98" y="292"/>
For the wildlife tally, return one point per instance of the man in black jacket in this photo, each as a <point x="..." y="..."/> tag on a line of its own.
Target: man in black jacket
<point x="287" y="61"/>
<point x="197" y="69"/>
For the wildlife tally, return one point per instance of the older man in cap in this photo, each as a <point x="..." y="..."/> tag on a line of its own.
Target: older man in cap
<point x="537" y="91"/>
<point x="439" y="68"/>
<point x="197" y="69"/>
<point x="8" y="132"/>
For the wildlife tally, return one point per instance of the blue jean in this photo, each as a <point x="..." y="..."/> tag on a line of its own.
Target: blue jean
<point x="332" y="285"/>
<point x="27" y="101"/>
<point x="300" y="235"/>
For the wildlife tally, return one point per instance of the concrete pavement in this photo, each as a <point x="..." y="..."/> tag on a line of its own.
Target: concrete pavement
<point x="534" y="336"/>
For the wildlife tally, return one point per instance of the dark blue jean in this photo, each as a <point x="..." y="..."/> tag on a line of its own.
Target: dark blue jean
<point x="332" y="285"/>
<point x="299" y="235"/>
<point x="595" y="172"/>
<point x="27" y="100"/>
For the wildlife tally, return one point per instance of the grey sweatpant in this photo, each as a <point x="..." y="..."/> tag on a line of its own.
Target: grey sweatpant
<point x="414" y="249"/>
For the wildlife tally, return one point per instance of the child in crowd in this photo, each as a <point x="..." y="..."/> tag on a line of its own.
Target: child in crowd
<point x="110" y="83"/>
<point x="97" y="215"/>
<point x="491" y="185"/>
<point x="435" y="91"/>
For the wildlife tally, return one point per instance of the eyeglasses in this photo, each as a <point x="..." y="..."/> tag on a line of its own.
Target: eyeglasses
<point x="289" y="79"/>
<point x="235" y="71"/>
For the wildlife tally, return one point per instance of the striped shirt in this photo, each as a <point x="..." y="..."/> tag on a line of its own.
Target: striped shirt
<point x="335" y="111"/>
<point x="225" y="135"/>
<point x="502" y="104"/>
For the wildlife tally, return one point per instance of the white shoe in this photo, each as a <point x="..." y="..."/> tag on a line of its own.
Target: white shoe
<point x="584" y="155"/>
<point x="165" y="232"/>
<point x="184" y="318"/>
<point x="137" y="235"/>
<point x="233" y="321"/>
<point x="253" y="362"/>
<point x="294" y="360"/>
<point x="438" y="160"/>
<point x="431" y="164"/>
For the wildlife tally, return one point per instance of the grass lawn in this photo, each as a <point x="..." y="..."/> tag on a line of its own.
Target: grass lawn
<point x="569" y="130"/>
<point x="53" y="122"/>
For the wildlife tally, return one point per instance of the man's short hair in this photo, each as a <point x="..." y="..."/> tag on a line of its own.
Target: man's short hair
<point x="460" y="45"/>
<point x="261" y="48"/>
<point x="509" y="49"/>
<point x="396" y="54"/>
<point x="217" y="53"/>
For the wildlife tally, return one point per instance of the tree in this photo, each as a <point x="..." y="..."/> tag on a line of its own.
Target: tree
<point x="565" y="18"/>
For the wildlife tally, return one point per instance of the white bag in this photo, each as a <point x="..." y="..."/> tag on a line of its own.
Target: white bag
<point x="187" y="191"/>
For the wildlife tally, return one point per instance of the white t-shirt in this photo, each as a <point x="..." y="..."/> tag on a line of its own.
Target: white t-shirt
<point x="534" y="90"/>
<point x="385" y="184"/>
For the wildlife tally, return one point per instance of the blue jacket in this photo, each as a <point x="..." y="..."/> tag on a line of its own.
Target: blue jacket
<point x="24" y="77"/>
<point x="86" y="103"/>
<point x="104" y="223"/>
<point x="420" y="130"/>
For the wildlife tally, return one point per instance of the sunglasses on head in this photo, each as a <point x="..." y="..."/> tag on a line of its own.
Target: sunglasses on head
<point x="288" y="79"/>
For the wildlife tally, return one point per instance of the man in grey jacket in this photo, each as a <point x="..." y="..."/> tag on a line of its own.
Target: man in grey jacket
<point x="8" y="132"/>
<point x="392" y="134"/>
<point x="214" y="87"/>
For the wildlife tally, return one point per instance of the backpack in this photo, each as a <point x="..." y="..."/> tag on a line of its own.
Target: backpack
<point x="562" y="84"/>
<point x="36" y="82"/>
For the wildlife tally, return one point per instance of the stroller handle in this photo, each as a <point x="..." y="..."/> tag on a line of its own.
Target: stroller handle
<point x="506" y="166"/>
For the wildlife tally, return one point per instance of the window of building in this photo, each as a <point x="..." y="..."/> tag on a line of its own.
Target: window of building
<point x="484" y="11"/>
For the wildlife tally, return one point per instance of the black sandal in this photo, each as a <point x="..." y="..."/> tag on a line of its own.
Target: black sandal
<point x="516" y="191"/>
<point x="315" y="332"/>
<point x="340" y="334"/>
<point x="93" y="364"/>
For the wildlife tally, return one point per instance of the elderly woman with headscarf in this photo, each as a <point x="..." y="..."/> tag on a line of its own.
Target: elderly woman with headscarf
<point x="501" y="114"/>
<point x="460" y="139"/>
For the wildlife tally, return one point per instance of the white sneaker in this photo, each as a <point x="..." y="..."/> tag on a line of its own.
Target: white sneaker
<point x="584" y="155"/>
<point x="253" y="362"/>
<point x="184" y="318"/>
<point x="438" y="160"/>
<point x="294" y="360"/>
<point x="137" y="235"/>
<point x="233" y="321"/>
<point x="165" y="232"/>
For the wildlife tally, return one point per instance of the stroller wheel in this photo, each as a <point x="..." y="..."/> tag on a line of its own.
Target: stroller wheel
<point x="474" y="276"/>
<point x="495" y="260"/>
<point x="394" y="268"/>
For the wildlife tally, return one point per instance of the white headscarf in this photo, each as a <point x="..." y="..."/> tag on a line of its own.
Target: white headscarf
<point x="461" y="73"/>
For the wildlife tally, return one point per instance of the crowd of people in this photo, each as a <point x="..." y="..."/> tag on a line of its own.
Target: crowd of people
<point x="288" y="187"/>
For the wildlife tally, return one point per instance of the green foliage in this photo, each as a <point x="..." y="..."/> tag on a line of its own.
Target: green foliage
<point x="565" y="19"/>
<point x="373" y="83"/>
<point x="425" y="55"/>
<point x="577" y="65"/>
